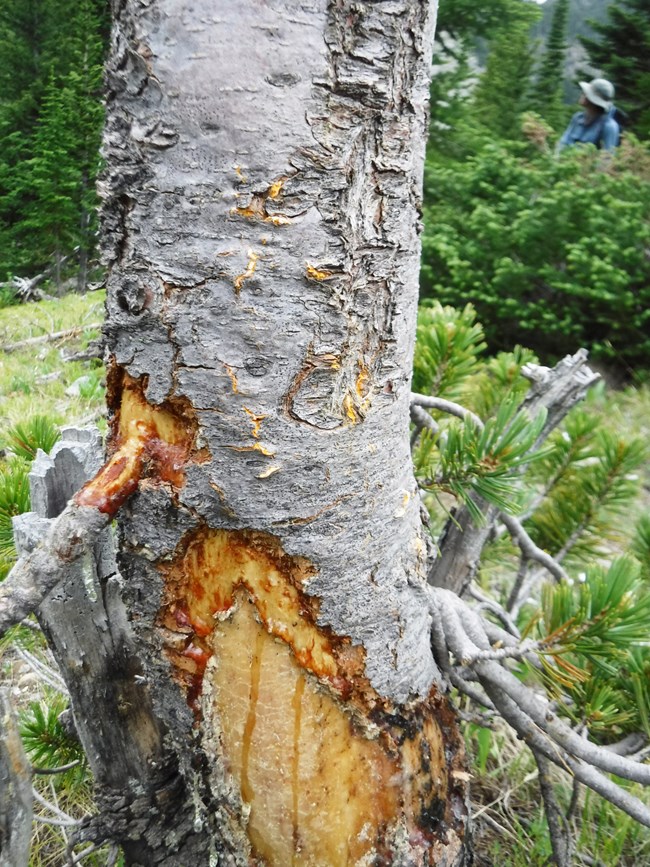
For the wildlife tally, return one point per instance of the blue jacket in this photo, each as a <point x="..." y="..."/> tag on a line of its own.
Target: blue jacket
<point x="603" y="132"/>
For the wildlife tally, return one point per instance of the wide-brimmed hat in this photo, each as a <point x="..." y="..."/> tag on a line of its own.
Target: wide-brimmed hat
<point x="599" y="92"/>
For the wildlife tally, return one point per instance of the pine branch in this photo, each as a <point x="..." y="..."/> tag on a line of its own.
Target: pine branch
<point x="448" y="406"/>
<point x="516" y="529"/>
<point x="460" y="632"/>
<point x="530" y="550"/>
<point x="422" y="420"/>
<point x="554" y="390"/>
<point x="559" y="831"/>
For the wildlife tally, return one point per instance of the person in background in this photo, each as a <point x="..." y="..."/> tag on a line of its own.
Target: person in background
<point x="595" y="124"/>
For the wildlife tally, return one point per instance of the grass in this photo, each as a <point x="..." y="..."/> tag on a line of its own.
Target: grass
<point x="509" y="823"/>
<point x="34" y="380"/>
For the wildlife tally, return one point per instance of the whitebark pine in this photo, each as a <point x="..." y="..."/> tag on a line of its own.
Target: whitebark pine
<point x="276" y="699"/>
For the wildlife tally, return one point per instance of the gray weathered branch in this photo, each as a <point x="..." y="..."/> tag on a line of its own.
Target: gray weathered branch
<point x="459" y="631"/>
<point x="35" y="575"/>
<point x="15" y="791"/>
<point x="559" y="831"/>
<point x="447" y="406"/>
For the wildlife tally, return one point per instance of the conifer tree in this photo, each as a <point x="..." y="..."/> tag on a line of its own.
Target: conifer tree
<point x="501" y="95"/>
<point x="50" y="215"/>
<point x="20" y="39"/>
<point x="547" y="92"/>
<point x="50" y="65"/>
<point x="462" y="24"/>
<point x="621" y="49"/>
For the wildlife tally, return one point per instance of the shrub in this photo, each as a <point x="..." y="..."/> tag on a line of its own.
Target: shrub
<point x="552" y="253"/>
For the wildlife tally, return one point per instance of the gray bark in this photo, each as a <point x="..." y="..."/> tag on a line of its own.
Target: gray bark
<point x="15" y="791"/>
<point x="261" y="219"/>
<point x="86" y="624"/>
<point x="334" y="104"/>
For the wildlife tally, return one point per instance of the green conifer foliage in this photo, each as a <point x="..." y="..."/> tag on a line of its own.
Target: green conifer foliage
<point x="573" y="493"/>
<point x="463" y="29"/>
<point x="621" y="49"/>
<point x="551" y="253"/>
<point x="50" y="121"/>
<point x="502" y="92"/>
<point x="547" y="92"/>
<point x="49" y="216"/>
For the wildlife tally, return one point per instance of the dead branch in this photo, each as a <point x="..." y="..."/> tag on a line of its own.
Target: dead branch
<point x="557" y="389"/>
<point x="60" y="770"/>
<point x="15" y="791"/>
<point x="446" y="406"/>
<point x="510" y="631"/>
<point x="49" y="338"/>
<point x="42" y="670"/>
<point x="530" y="550"/>
<point x="459" y="632"/>
<point x="95" y="349"/>
<point x="558" y="827"/>
<point x="26" y="288"/>
<point x="58" y="817"/>
<point x="73" y="532"/>
<point x="34" y="576"/>
<point x="421" y="419"/>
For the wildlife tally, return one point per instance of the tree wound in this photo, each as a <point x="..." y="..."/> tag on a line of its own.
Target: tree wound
<point x="281" y="701"/>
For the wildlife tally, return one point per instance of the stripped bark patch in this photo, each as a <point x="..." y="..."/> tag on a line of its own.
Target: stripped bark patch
<point x="286" y="704"/>
<point x="216" y="563"/>
<point x="167" y="432"/>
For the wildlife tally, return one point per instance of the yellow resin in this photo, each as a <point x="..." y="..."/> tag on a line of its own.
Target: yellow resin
<point x="134" y="410"/>
<point x="219" y="562"/>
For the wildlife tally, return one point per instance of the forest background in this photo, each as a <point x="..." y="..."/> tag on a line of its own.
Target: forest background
<point x="552" y="254"/>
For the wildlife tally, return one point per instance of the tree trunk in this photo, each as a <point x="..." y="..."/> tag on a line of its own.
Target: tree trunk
<point x="85" y="246"/>
<point x="261" y="207"/>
